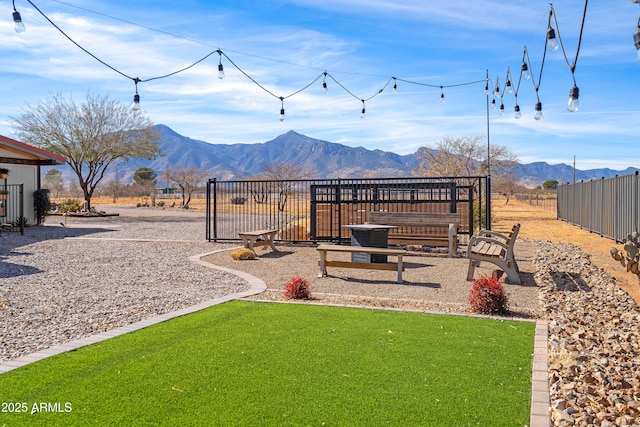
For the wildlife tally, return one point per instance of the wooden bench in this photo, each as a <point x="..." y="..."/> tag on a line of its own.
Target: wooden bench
<point x="323" y="249"/>
<point x="495" y="248"/>
<point x="448" y="223"/>
<point x="250" y="239"/>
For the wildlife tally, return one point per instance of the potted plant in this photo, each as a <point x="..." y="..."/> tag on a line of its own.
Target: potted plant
<point x="3" y="173"/>
<point x="3" y="194"/>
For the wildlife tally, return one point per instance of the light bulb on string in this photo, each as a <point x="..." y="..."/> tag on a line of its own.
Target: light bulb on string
<point x="509" y="86"/>
<point x="517" y="111"/>
<point x="395" y="85"/>
<point x="282" y="109"/>
<point x="325" y="88"/>
<point x="551" y="39"/>
<point x="135" y="106"/>
<point x="574" y="94"/>
<point x="486" y="89"/>
<point x="526" y="74"/>
<point x="441" y="95"/>
<point x="501" y="109"/>
<point x="493" y="104"/>
<point x="220" y="67"/>
<point x="17" y="19"/>
<point x="538" y="109"/>
<point x="363" y="110"/>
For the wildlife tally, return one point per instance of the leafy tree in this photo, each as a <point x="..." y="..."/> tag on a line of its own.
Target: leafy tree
<point x="144" y="175"/>
<point x="91" y="135"/>
<point x="145" y="183"/>
<point x="53" y="181"/>
<point x="550" y="184"/>
<point x="464" y="156"/>
<point x="187" y="179"/>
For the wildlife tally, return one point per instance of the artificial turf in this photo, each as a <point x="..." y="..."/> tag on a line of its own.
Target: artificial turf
<point x="247" y="363"/>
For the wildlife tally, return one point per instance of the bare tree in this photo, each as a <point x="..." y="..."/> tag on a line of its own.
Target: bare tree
<point x="91" y="135"/>
<point x="464" y="156"/>
<point x="283" y="173"/>
<point x="188" y="179"/>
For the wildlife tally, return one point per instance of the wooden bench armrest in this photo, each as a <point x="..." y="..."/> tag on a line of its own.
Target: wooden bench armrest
<point x="476" y="239"/>
<point x="494" y="234"/>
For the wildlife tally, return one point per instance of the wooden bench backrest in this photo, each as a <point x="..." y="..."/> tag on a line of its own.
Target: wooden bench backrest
<point x="414" y="219"/>
<point x="513" y="235"/>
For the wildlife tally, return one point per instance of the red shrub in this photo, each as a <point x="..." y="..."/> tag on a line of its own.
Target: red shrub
<point x="297" y="288"/>
<point x="487" y="296"/>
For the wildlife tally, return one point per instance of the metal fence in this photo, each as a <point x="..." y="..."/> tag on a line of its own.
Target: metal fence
<point x="12" y="208"/>
<point x="608" y="207"/>
<point x="547" y="201"/>
<point x="316" y="210"/>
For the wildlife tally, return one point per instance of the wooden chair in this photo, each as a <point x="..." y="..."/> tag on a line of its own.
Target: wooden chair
<point x="495" y="248"/>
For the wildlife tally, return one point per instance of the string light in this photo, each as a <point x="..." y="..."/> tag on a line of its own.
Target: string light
<point x="220" y="67"/>
<point x="524" y="70"/>
<point x="551" y="41"/>
<point x="17" y="19"/>
<point x="538" y="111"/>
<point x="573" y="104"/>
<point x="517" y="111"/>
<point x="135" y="106"/>
<point x="508" y="83"/>
<point x="282" y="109"/>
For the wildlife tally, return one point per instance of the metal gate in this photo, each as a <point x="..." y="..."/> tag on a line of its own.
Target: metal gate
<point x="316" y="210"/>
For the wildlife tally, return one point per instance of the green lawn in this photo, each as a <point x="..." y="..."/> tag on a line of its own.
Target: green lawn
<point x="245" y="363"/>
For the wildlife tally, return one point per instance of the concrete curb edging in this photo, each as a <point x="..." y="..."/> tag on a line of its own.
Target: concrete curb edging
<point x="257" y="286"/>
<point x="540" y="403"/>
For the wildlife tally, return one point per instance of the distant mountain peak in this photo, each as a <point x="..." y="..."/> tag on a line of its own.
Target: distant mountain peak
<point x="327" y="160"/>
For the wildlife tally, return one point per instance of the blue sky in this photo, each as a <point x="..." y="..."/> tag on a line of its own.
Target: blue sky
<point x="284" y="45"/>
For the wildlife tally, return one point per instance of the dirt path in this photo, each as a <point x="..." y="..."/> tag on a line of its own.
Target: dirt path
<point x="540" y="225"/>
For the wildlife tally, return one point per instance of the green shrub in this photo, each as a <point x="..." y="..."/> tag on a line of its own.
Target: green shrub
<point x="297" y="288"/>
<point x="70" y="205"/>
<point x="487" y="296"/>
<point x="41" y="204"/>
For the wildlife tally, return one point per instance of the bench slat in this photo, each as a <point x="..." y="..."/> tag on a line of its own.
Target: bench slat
<point x="422" y="225"/>
<point x="363" y="249"/>
<point x="367" y="265"/>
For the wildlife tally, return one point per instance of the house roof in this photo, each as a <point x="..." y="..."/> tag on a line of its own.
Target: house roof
<point x="29" y="155"/>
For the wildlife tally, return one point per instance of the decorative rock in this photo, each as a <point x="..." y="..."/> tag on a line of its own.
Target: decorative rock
<point x="594" y="356"/>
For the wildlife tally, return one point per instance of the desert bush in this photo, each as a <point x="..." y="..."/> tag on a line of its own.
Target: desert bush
<point x="487" y="296"/>
<point x="70" y="205"/>
<point x="238" y="200"/>
<point x="242" y="254"/>
<point x="160" y="204"/>
<point x="297" y="288"/>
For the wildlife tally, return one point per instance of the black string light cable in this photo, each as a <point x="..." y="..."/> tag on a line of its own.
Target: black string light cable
<point x="137" y="80"/>
<point x="574" y="93"/>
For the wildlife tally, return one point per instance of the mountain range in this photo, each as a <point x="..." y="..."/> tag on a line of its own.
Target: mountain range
<point x="322" y="159"/>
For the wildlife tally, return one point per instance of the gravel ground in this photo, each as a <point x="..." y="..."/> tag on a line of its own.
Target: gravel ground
<point x="61" y="283"/>
<point x="431" y="282"/>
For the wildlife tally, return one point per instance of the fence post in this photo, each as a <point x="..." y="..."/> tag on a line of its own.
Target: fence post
<point x="488" y="203"/>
